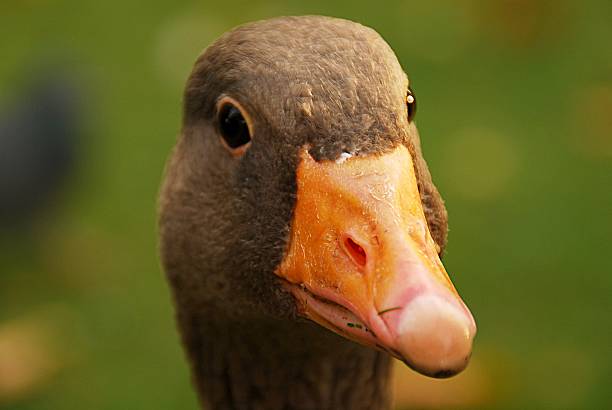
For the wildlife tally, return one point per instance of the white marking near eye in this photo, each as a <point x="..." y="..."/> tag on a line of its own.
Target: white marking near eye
<point x="343" y="157"/>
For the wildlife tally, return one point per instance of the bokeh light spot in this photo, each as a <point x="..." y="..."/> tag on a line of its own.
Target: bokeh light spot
<point x="32" y="351"/>
<point x="592" y="110"/>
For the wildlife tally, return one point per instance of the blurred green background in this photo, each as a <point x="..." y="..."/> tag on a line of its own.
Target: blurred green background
<point x="515" y="115"/>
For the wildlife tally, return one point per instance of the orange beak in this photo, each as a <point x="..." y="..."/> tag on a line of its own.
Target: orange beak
<point x="361" y="262"/>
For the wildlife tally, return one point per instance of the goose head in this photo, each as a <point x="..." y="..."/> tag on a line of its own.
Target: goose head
<point x="297" y="191"/>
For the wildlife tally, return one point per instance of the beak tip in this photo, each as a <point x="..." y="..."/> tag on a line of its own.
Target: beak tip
<point x="435" y="336"/>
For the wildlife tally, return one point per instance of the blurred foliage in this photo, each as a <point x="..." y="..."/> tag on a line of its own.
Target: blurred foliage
<point x="515" y="108"/>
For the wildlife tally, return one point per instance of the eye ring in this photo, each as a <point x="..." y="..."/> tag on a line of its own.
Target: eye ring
<point x="234" y="126"/>
<point x="411" y="104"/>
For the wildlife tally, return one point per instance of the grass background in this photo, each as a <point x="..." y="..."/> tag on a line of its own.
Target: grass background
<point x="515" y="108"/>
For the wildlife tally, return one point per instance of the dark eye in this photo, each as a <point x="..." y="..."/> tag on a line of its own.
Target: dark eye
<point x="233" y="127"/>
<point x="411" y="104"/>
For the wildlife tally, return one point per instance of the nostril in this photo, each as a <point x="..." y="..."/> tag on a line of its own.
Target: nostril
<point x="355" y="251"/>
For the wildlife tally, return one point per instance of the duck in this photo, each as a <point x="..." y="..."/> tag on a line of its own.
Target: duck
<point x="300" y="230"/>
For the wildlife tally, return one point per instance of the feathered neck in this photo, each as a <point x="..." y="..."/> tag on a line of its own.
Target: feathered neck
<point x="283" y="365"/>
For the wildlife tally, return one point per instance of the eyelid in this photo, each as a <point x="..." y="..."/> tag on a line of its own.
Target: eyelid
<point x="223" y="101"/>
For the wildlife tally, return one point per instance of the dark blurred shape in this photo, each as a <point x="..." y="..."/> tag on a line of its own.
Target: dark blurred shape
<point x="38" y="138"/>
